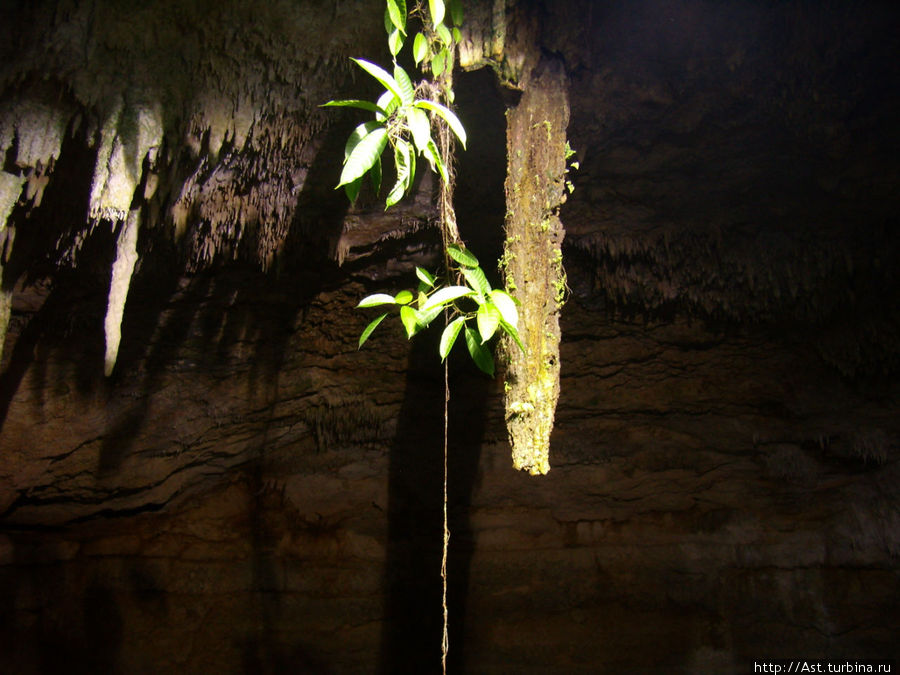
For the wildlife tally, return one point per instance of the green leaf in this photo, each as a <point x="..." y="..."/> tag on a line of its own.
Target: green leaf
<point x="456" y="12"/>
<point x="368" y="331"/>
<point x="395" y="195"/>
<point x="447" y="115"/>
<point x="357" y="135"/>
<point x="410" y="319"/>
<point x="395" y="42"/>
<point x="388" y="103"/>
<point x="401" y="163"/>
<point x="401" y="158"/>
<point x="411" y="160"/>
<point x="444" y="34"/>
<point x="437" y="164"/>
<point x="476" y="279"/>
<point x="377" y="299"/>
<point x="420" y="48"/>
<point x="513" y="333"/>
<point x="479" y="353"/>
<point x="407" y="91"/>
<point x="354" y="103"/>
<point x="436" y="9"/>
<point x="403" y="297"/>
<point x="462" y="256"/>
<point x="420" y="127"/>
<point x="381" y="75"/>
<point x="425" y="277"/>
<point x="397" y="11"/>
<point x="446" y="294"/>
<point x="364" y="155"/>
<point x="507" y="306"/>
<point x="457" y="36"/>
<point x="375" y="173"/>
<point x="448" y="337"/>
<point x="438" y="61"/>
<point x="488" y="319"/>
<point x="352" y="189"/>
<point x="426" y="316"/>
<point x="448" y="59"/>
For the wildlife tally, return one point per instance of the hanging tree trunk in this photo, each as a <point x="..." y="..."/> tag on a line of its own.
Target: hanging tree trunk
<point x="532" y="259"/>
<point x="505" y="35"/>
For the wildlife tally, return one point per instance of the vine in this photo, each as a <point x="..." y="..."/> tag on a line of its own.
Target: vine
<point x="405" y="115"/>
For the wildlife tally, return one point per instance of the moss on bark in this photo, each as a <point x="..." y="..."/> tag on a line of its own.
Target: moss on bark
<point x="532" y="260"/>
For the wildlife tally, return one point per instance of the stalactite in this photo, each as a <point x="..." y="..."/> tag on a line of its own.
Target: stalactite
<point x="122" y="270"/>
<point x="10" y="189"/>
<point x="127" y="137"/>
<point x="35" y="130"/>
<point x="237" y="103"/>
<point x="736" y="277"/>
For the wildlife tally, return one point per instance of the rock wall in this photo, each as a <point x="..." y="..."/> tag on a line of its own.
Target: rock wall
<point x="714" y="499"/>
<point x="248" y="493"/>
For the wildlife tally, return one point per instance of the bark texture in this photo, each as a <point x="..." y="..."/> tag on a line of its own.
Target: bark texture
<point x="532" y="260"/>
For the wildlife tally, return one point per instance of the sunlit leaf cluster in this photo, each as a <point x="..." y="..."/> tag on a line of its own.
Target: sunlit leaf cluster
<point x="474" y="309"/>
<point x="433" y="45"/>
<point x="403" y="120"/>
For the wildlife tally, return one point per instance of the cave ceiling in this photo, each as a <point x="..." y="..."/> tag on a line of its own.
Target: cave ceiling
<point x="738" y="160"/>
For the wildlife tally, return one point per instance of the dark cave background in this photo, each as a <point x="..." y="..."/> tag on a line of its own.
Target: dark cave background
<point x="249" y="493"/>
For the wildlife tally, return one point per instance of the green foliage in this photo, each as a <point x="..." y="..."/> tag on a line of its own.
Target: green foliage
<point x="401" y="120"/>
<point x="420" y="48"/>
<point x="363" y="155"/>
<point x="436" y="8"/>
<point x="404" y="120"/>
<point x="396" y="10"/>
<point x="481" y="356"/>
<point x="475" y="302"/>
<point x="570" y="166"/>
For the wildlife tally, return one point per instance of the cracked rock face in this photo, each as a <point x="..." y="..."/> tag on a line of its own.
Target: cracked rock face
<point x="248" y="492"/>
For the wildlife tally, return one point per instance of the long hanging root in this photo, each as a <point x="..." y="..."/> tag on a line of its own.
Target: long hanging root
<point x="445" y="641"/>
<point x="449" y="235"/>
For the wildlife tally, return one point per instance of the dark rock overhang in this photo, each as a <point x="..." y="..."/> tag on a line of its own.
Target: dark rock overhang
<point x="738" y="160"/>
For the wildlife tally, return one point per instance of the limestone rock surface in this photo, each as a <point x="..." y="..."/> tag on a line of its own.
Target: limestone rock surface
<point x="250" y="493"/>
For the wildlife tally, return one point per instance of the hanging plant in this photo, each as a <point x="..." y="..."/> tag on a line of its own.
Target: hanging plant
<point x="489" y="309"/>
<point x="402" y="127"/>
<point x="405" y="115"/>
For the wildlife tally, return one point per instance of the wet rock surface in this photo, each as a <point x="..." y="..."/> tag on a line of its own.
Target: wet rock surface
<point x="250" y="493"/>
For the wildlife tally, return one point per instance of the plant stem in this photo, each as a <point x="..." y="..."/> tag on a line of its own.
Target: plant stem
<point x="445" y="641"/>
